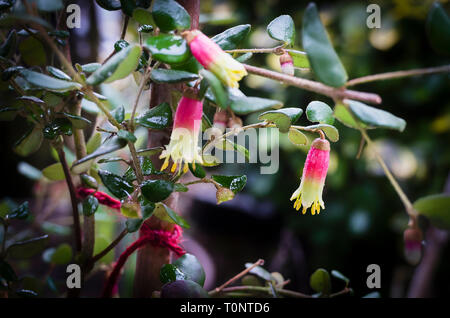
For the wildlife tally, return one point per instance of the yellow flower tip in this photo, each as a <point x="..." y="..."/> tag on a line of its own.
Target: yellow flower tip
<point x="304" y="210"/>
<point x="185" y="168"/>
<point x="193" y="165"/>
<point x="165" y="164"/>
<point x="174" y="167"/>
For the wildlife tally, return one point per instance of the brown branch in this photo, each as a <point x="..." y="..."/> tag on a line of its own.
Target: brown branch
<point x="398" y="74"/>
<point x="332" y="92"/>
<point x="283" y="292"/>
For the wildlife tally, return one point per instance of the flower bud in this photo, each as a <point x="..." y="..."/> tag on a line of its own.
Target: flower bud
<point x="224" y="194"/>
<point x="413" y="245"/>
<point x="235" y="123"/>
<point x="89" y="181"/>
<point x="287" y="64"/>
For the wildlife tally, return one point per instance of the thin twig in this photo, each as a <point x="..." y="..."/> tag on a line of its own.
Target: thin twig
<point x="398" y="74"/>
<point x="332" y="92"/>
<point x="217" y="290"/>
<point x="283" y="292"/>
<point x="113" y="244"/>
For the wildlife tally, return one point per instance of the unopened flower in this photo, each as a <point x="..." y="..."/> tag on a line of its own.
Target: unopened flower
<point x="183" y="146"/>
<point x="413" y="245"/>
<point x="286" y="63"/>
<point x="214" y="59"/>
<point x="309" y="193"/>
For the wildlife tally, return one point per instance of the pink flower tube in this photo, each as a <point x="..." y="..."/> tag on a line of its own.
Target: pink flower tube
<point x="287" y="64"/>
<point x="309" y="193"/>
<point x="214" y="59"/>
<point x="183" y="145"/>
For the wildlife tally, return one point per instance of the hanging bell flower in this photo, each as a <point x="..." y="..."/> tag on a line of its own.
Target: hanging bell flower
<point x="287" y="64"/>
<point x="214" y="59"/>
<point x="183" y="146"/>
<point x="309" y="193"/>
<point x="413" y="245"/>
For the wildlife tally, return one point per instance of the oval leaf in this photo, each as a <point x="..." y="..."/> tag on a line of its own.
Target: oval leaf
<point x="282" y="29"/>
<point x="47" y="82"/>
<point x="29" y="143"/>
<point x="170" y="15"/>
<point x="320" y="281"/>
<point x="320" y="112"/>
<point x="158" y="117"/>
<point x="189" y="265"/>
<point x="297" y="137"/>
<point x="117" y="185"/>
<point x="171" y="49"/>
<point x="283" y="118"/>
<point x="157" y="190"/>
<point x="438" y="29"/>
<point x="436" y="208"/>
<point x="172" y="76"/>
<point x="232" y="37"/>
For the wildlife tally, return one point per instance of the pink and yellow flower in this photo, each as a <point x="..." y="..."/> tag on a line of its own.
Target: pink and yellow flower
<point x="287" y="64"/>
<point x="183" y="146"/>
<point x="309" y="193"/>
<point x="214" y="59"/>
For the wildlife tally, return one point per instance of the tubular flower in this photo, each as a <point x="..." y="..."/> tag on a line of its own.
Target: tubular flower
<point x="309" y="193"/>
<point x="286" y="64"/>
<point x="183" y="145"/>
<point x="214" y="59"/>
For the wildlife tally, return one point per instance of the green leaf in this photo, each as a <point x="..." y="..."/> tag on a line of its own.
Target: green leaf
<point x="227" y="144"/>
<point x="29" y="171"/>
<point x="94" y="142"/>
<point x="21" y="212"/>
<point x="109" y="5"/>
<point x="29" y="143"/>
<point x="189" y="265"/>
<point x="244" y="105"/>
<point x="183" y="289"/>
<point x="170" y="273"/>
<point x="438" y="29"/>
<point x="161" y="75"/>
<point x="133" y="225"/>
<point x="158" y="117"/>
<point x="119" y="113"/>
<point x="170" y="49"/>
<point x="340" y="276"/>
<point x="297" y="137"/>
<point x="320" y="281"/>
<point x="130" y="209"/>
<point x="320" y="112"/>
<point x="232" y="37"/>
<point x="48" y="5"/>
<point x="32" y="52"/>
<point x="150" y="151"/>
<point x="78" y="122"/>
<point x="282" y="29"/>
<point x="117" y="185"/>
<point x="372" y="295"/>
<point x="283" y="118"/>
<point x="157" y="190"/>
<point x="59" y="126"/>
<point x="300" y="59"/>
<point x="47" y="82"/>
<point x="89" y="181"/>
<point x="90" y="67"/>
<point x="147" y="207"/>
<point x="9" y="45"/>
<point x="7" y="272"/>
<point x="179" y="187"/>
<point x="198" y="171"/>
<point x="219" y="92"/>
<point x="120" y="65"/>
<point x="54" y="172"/>
<point x="331" y="131"/>
<point x="90" y="205"/>
<point x="244" y="57"/>
<point x="145" y="28"/>
<point x="170" y="15"/>
<point x="321" y="55"/>
<point x="143" y="16"/>
<point x="260" y="272"/>
<point x="62" y="254"/>
<point x="56" y="72"/>
<point x="28" y="248"/>
<point x="436" y="208"/>
<point x="8" y="113"/>
<point x="163" y="212"/>
<point x="112" y="145"/>
<point x="234" y="183"/>
<point x="125" y="134"/>
<point x="373" y="117"/>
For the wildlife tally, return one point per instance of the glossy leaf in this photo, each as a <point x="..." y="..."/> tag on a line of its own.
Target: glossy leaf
<point x="297" y="137"/>
<point x="231" y="38"/>
<point x="150" y="151"/>
<point x="78" y="122"/>
<point x="158" y="117"/>
<point x="283" y="118"/>
<point x="198" y="171"/>
<point x="189" y="265"/>
<point x="172" y="76"/>
<point x="59" y="126"/>
<point x="260" y="272"/>
<point x="244" y="57"/>
<point x="94" y="142"/>
<point x="29" y="143"/>
<point x="58" y="73"/>
<point x="183" y="289"/>
<point x="234" y="183"/>
<point x="163" y="212"/>
<point x="28" y="248"/>
<point x="119" y="114"/>
<point x="29" y="171"/>
<point x="54" y="172"/>
<point x="21" y="212"/>
<point x="170" y="15"/>
<point x="171" y="49"/>
<point x="91" y="67"/>
<point x="170" y="273"/>
<point x="147" y="207"/>
<point x="117" y="185"/>
<point x="133" y="225"/>
<point x="143" y="16"/>
<point x="329" y="130"/>
<point x="245" y="105"/>
<point x="436" y="208"/>
<point x="125" y="134"/>
<point x="282" y="29"/>
<point x="109" y="5"/>
<point x="120" y="65"/>
<point x="321" y="54"/>
<point x="47" y="82"/>
<point x="320" y="112"/>
<point x="216" y="87"/>
<point x="300" y="59"/>
<point x="90" y="205"/>
<point x="157" y="190"/>
<point x="340" y="276"/>
<point x="438" y="29"/>
<point x="320" y="281"/>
